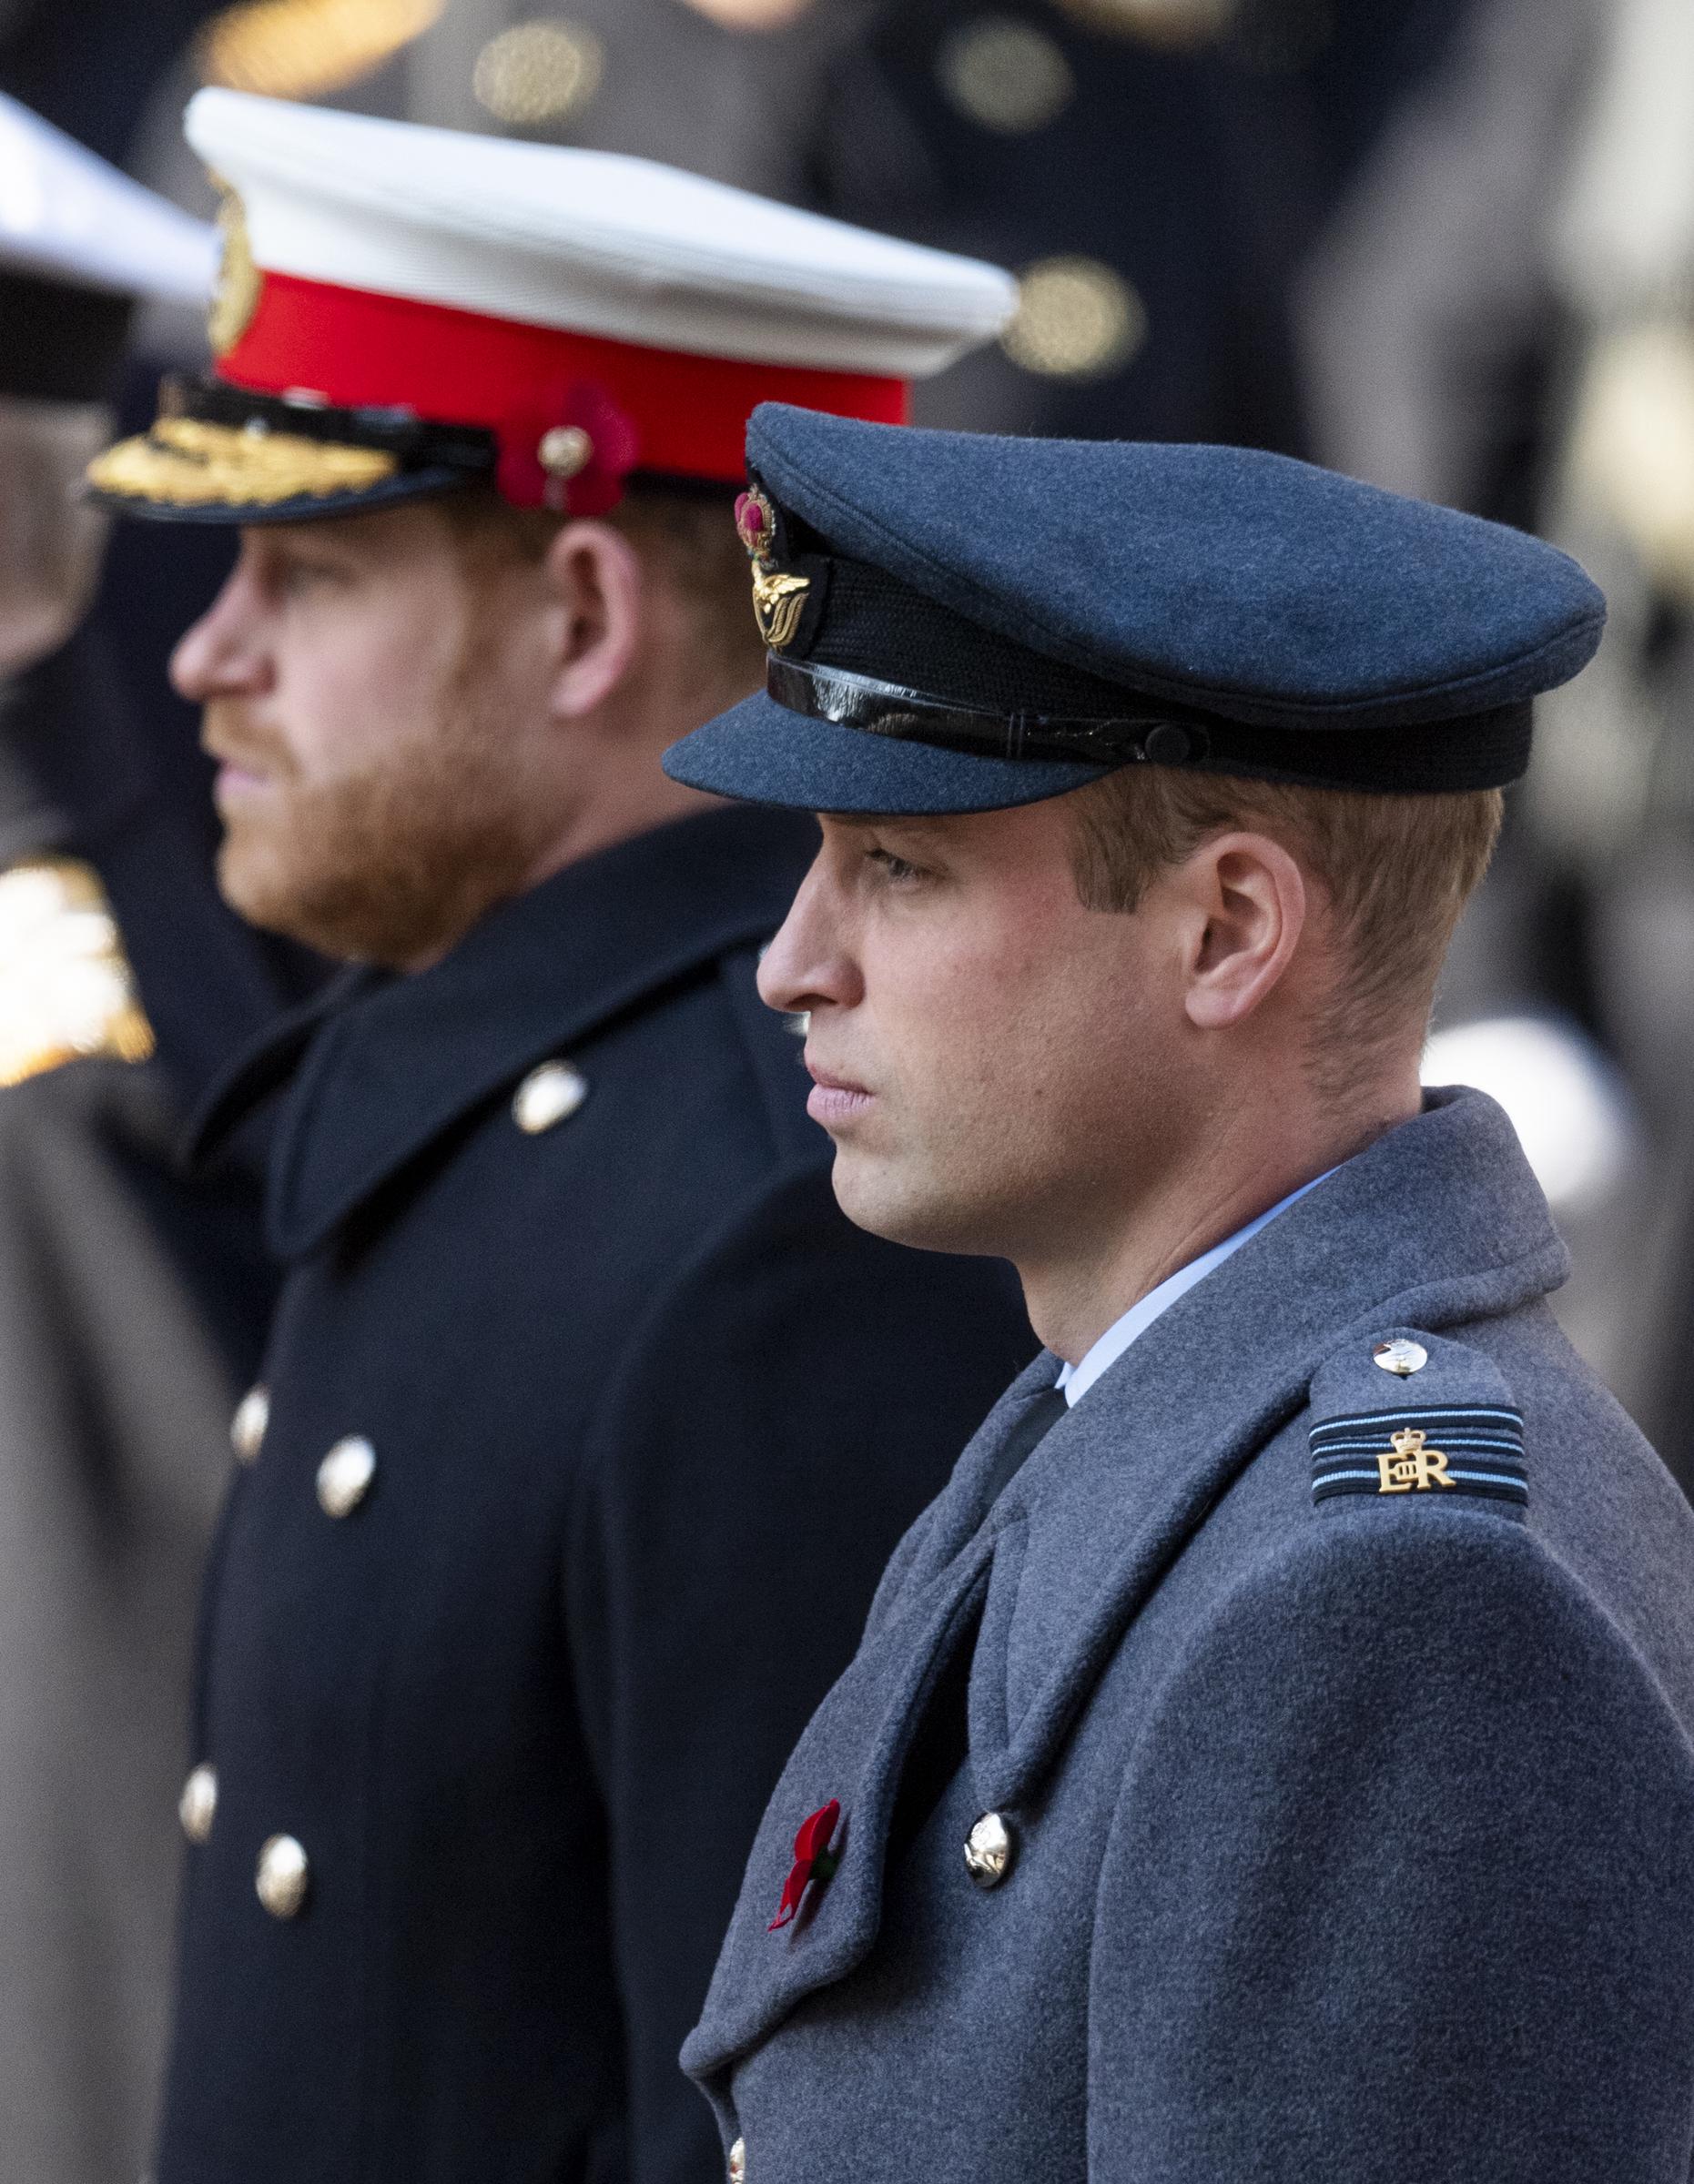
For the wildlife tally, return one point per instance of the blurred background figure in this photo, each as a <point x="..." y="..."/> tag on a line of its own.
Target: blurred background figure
<point x="131" y="1303"/>
<point x="1501" y="314"/>
<point x="1615" y="804"/>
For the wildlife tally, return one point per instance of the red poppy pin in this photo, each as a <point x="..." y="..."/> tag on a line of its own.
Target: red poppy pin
<point x="813" y="1861"/>
<point x="570" y="451"/>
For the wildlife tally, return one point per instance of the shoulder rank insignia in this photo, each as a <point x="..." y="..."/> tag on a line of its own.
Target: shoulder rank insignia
<point x="67" y="990"/>
<point x="1463" y="1449"/>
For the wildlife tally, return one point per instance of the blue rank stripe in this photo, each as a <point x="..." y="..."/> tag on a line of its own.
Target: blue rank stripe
<point x="1425" y="1453"/>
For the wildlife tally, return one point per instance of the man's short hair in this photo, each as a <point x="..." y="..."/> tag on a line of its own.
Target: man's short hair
<point x="687" y="534"/>
<point x="1397" y="871"/>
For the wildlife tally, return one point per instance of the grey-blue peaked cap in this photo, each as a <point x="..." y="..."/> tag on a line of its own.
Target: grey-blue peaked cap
<point x="961" y="621"/>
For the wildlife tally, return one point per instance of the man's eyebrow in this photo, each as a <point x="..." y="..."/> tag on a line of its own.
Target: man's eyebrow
<point x="908" y="827"/>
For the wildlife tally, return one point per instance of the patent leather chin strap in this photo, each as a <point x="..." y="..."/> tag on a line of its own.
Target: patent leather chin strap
<point x="857" y="700"/>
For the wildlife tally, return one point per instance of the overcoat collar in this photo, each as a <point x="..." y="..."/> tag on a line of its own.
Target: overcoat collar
<point x="379" y="1066"/>
<point x="1438" y="1223"/>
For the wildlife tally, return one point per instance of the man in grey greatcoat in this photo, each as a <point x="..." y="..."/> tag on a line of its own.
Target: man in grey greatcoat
<point x="1270" y="1757"/>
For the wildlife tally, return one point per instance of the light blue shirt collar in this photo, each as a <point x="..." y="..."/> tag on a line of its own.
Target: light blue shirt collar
<point x="1077" y="1380"/>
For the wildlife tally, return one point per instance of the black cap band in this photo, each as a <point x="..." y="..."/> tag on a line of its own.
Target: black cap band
<point x="1475" y="751"/>
<point x="853" y="701"/>
<point x="415" y="443"/>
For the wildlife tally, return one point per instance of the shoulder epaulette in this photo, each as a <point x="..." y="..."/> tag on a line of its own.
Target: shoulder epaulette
<point x="1407" y="1414"/>
<point x="67" y="990"/>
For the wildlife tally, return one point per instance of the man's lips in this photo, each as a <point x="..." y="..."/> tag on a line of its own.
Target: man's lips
<point x="233" y="780"/>
<point x="239" y="773"/>
<point x="834" y="1099"/>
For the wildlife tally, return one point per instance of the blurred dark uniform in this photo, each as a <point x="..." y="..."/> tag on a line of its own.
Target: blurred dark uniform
<point x="131" y="1301"/>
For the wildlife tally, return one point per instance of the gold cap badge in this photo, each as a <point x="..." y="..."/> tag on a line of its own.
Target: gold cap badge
<point x="235" y="299"/>
<point x="779" y="598"/>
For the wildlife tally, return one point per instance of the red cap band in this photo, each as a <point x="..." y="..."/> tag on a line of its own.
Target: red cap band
<point x="685" y="414"/>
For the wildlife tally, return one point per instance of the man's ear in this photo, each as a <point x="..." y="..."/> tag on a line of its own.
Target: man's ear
<point x="598" y="586"/>
<point x="1247" y="904"/>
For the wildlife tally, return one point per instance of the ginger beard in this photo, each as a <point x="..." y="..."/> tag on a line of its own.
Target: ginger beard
<point x="392" y="858"/>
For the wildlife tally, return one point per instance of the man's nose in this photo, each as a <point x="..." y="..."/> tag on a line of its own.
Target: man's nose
<point x="810" y="965"/>
<point x="223" y="655"/>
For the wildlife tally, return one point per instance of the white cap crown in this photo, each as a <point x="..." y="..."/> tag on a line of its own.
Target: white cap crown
<point x="589" y="240"/>
<point x="67" y="215"/>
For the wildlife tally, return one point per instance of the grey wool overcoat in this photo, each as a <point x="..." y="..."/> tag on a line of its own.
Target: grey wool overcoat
<point x="1350" y="1792"/>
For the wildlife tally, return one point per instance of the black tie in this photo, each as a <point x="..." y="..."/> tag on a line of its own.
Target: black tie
<point x="1043" y="1412"/>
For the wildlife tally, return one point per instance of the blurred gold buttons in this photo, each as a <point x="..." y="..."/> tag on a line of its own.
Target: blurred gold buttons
<point x="345" y="1474"/>
<point x="990" y="1849"/>
<point x="538" y="72"/>
<point x="246" y="1427"/>
<point x="1400" y="1357"/>
<point x="1077" y="320"/>
<point x="737" y="2163"/>
<point x="283" y="1876"/>
<point x="547" y="1096"/>
<point x="197" y="1806"/>
<point x="303" y="48"/>
<point x="751" y="14"/>
<point x="1005" y="75"/>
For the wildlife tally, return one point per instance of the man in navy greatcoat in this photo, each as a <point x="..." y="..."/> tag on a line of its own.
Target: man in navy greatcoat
<point x="1271" y="1756"/>
<point x="587" y="1421"/>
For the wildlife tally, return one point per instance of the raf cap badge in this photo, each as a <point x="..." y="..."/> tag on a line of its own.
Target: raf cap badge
<point x="778" y="595"/>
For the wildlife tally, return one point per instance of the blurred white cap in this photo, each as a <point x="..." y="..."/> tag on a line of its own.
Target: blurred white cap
<point x="67" y="215"/>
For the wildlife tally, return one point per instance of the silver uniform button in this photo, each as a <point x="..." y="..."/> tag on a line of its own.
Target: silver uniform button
<point x="197" y="1806"/>
<point x="990" y="1849"/>
<point x="246" y="1427"/>
<point x="1400" y="1357"/>
<point x="283" y="1876"/>
<point x="345" y="1474"/>
<point x="738" y="2164"/>
<point x="547" y="1096"/>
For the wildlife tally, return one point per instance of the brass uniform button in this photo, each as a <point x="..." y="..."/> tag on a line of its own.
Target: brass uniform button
<point x="990" y="1849"/>
<point x="738" y="2162"/>
<point x="547" y="1096"/>
<point x="283" y="1876"/>
<point x="246" y="1427"/>
<point x="197" y="1805"/>
<point x="1400" y="1357"/>
<point x="345" y="1474"/>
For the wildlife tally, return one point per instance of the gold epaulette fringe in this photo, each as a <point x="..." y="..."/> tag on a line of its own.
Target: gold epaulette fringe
<point x="66" y="989"/>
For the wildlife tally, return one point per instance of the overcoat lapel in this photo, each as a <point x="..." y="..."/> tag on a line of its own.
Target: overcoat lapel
<point x="853" y="1752"/>
<point x="374" y="1074"/>
<point x="1438" y="1223"/>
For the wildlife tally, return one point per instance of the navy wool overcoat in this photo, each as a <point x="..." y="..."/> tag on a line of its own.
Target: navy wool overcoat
<point x="1335" y="1722"/>
<point x="588" y="1425"/>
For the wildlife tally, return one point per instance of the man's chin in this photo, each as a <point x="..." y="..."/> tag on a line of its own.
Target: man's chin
<point x="877" y="1198"/>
